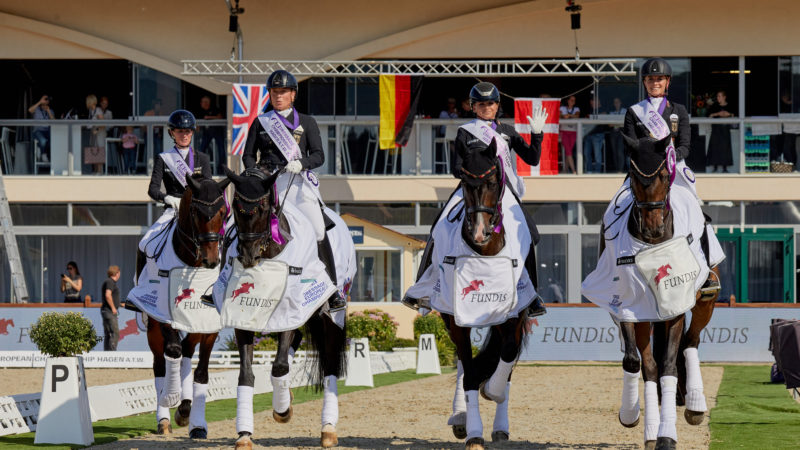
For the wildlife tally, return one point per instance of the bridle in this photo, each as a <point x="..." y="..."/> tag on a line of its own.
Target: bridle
<point x="649" y="206"/>
<point x="195" y="238"/>
<point x="251" y="206"/>
<point x="495" y="221"/>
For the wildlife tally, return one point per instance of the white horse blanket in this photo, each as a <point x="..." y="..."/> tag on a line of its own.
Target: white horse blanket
<point x="617" y="285"/>
<point x="473" y="293"/>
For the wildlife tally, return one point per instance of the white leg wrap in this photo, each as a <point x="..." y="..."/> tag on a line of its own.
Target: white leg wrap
<point x="281" y="396"/>
<point x="495" y="388"/>
<point x="162" y="412"/>
<point x="651" y="416"/>
<point x="172" y="385"/>
<point x="330" y="401"/>
<point x="197" y="418"/>
<point x="244" y="409"/>
<point x="667" y="427"/>
<point x="474" y="424"/>
<point x="695" y="399"/>
<point x="629" y="410"/>
<point x="501" y="413"/>
<point x="186" y="378"/>
<point x="459" y="416"/>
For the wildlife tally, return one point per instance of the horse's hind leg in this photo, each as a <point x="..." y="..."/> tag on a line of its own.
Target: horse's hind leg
<point x="198" y="428"/>
<point x="281" y="380"/>
<point x="332" y="359"/>
<point x="156" y="343"/>
<point x="458" y="420"/>
<point x="690" y="380"/>
<point x="631" y="370"/>
<point x="187" y="390"/>
<point x="244" y="391"/>
<point x="172" y="358"/>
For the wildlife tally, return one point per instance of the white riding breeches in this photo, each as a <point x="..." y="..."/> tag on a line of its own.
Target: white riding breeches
<point x="303" y="198"/>
<point x="154" y="230"/>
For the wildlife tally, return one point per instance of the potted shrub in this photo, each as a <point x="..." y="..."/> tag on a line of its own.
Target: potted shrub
<point x="64" y="416"/>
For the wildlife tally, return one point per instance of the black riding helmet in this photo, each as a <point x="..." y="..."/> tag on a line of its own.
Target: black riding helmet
<point x="483" y="92"/>
<point x="656" y="66"/>
<point x="181" y="119"/>
<point x="282" y="79"/>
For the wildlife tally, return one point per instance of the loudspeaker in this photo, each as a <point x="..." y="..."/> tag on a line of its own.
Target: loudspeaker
<point x="575" y="19"/>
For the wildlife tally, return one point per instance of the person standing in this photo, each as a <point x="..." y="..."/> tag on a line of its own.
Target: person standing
<point x="720" y="151"/>
<point x="299" y="138"/>
<point x="41" y="111"/>
<point x="72" y="283"/>
<point x="109" y="310"/>
<point x="615" y="138"/>
<point x="569" y="132"/>
<point x="210" y="134"/>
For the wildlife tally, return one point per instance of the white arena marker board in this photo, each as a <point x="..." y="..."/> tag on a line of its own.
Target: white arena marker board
<point x="64" y="416"/>
<point x="428" y="355"/>
<point x="359" y="368"/>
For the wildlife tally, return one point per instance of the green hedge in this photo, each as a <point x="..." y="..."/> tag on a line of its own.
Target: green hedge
<point x="378" y="326"/>
<point x="64" y="334"/>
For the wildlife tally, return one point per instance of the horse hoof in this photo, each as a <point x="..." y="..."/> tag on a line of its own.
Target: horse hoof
<point x="182" y="413"/>
<point x="284" y="417"/>
<point x="460" y="431"/>
<point x="499" y="436"/>
<point x="329" y="438"/>
<point x="649" y="445"/>
<point x="693" y="417"/>
<point x="474" y="444"/>
<point x="198" y="433"/>
<point x="244" y="442"/>
<point x="629" y="425"/>
<point x="164" y="427"/>
<point x="665" y="443"/>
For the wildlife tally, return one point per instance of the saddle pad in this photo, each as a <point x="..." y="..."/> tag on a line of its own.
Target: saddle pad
<point x="671" y="271"/>
<point x="484" y="290"/>
<point x="189" y="314"/>
<point x="253" y="294"/>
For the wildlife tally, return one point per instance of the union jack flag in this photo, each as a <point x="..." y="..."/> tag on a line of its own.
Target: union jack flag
<point x="249" y="100"/>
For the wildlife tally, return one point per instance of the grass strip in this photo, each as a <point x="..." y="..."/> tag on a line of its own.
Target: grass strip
<point x="111" y="430"/>
<point x="751" y="412"/>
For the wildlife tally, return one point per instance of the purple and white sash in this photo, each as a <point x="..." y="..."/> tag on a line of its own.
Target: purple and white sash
<point x="485" y="133"/>
<point x="273" y="124"/>
<point x="177" y="165"/>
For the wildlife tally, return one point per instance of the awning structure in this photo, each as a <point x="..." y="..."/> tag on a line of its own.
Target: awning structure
<point x="444" y="68"/>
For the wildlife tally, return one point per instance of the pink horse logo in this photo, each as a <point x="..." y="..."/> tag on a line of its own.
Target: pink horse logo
<point x="4" y="324"/>
<point x="130" y="328"/>
<point x="474" y="285"/>
<point x="663" y="272"/>
<point x="186" y="293"/>
<point x="245" y="288"/>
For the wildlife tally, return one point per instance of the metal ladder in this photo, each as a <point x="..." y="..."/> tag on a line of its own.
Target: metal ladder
<point x="12" y="250"/>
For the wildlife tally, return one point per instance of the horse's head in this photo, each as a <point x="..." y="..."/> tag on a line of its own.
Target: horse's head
<point x="254" y="204"/>
<point x="482" y="187"/>
<point x="201" y="216"/>
<point x="650" y="185"/>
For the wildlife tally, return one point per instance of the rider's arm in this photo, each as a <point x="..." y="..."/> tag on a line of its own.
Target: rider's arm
<point x="529" y="153"/>
<point x="316" y="156"/>
<point x="250" y="154"/>
<point x="684" y="138"/>
<point x="154" y="191"/>
<point x="460" y="149"/>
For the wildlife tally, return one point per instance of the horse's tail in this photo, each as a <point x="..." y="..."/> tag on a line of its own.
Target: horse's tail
<point x="489" y="355"/>
<point x="328" y="341"/>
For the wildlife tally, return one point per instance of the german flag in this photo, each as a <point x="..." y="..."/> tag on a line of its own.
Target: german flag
<point x="399" y="96"/>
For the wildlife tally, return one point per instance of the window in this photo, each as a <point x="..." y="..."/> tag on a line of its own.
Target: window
<point x="99" y="214"/>
<point x="38" y="214"/>
<point x="552" y="213"/>
<point x="381" y="213"/>
<point x="378" y="276"/>
<point x="551" y="258"/>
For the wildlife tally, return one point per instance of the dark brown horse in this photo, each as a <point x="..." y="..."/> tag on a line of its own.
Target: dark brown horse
<point x="196" y="244"/>
<point x="255" y="207"/>
<point x="482" y="185"/>
<point x="651" y="221"/>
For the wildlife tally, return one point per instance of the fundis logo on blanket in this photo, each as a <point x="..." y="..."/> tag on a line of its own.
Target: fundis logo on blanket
<point x="474" y="286"/>
<point x="673" y="281"/>
<point x="185" y="293"/>
<point x="245" y="288"/>
<point x="663" y="271"/>
<point x="253" y="301"/>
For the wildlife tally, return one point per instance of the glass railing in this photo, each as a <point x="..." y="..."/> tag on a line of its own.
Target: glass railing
<point x="351" y="146"/>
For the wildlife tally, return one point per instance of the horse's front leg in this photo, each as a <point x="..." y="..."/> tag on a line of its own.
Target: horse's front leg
<point x="690" y="380"/>
<point x="244" y="391"/>
<point x="499" y="384"/>
<point x="198" y="428"/>
<point x="187" y="389"/>
<point x="460" y="336"/>
<point x="333" y="358"/>
<point x="652" y="417"/>
<point x="631" y="370"/>
<point x="670" y="334"/>
<point x="155" y="340"/>
<point x="282" y="379"/>
<point x="172" y="359"/>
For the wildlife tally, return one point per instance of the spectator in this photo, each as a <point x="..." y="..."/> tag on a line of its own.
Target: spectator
<point x="615" y="139"/>
<point x="593" y="142"/>
<point x="41" y="134"/>
<point x="109" y="292"/>
<point x="129" y="143"/>
<point x="211" y="133"/>
<point x="569" y="132"/>
<point x="720" y="152"/>
<point x="784" y="145"/>
<point x="466" y="110"/>
<point x="72" y="283"/>
<point x="97" y="135"/>
<point x="450" y="112"/>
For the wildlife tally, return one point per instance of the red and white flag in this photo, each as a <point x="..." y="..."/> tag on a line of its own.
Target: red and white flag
<point x="523" y="107"/>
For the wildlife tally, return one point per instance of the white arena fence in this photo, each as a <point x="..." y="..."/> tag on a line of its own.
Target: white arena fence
<point x="19" y="413"/>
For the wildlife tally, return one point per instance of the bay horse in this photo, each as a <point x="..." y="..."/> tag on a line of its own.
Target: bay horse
<point x="255" y="206"/>
<point x="196" y="243"/>
<point x="671" y="358"/>
<point x="482" y="229"/>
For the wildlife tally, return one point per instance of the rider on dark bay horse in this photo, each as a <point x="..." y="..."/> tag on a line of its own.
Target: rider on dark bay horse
<point x="485" y="101"/>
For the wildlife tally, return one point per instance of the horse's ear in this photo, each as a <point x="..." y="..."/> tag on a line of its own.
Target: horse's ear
<point x="663" y="143"/>
<point x="270" y="180"/>
<point x="223" y="183"/>
<point x="193" y="184"/>
<point x="631" y="143"/>
<point x="491" y="150"/>
<point x="231" y="175"/>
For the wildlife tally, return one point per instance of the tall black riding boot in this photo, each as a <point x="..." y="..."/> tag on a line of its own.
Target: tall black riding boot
<point x="325" y="253"/>
<point x="536" y="308"/>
